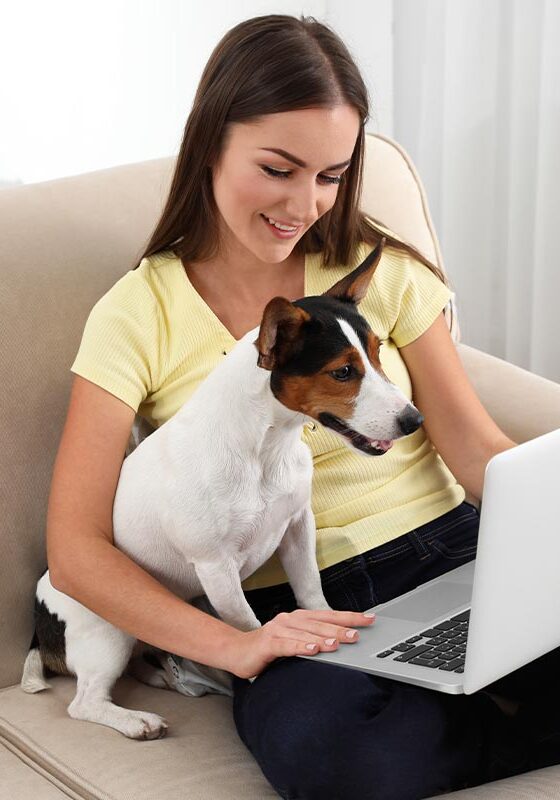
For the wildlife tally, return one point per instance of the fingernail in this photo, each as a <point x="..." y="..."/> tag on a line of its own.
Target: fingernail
<point x="330" y="641"/>
<point x="369" y="613"/>
<point x="351" y="634"/>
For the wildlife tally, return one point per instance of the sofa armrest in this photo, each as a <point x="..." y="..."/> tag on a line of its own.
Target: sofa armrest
<point x="522" y="404"/>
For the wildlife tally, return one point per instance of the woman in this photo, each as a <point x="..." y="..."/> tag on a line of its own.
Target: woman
<point x="385" y="525"/>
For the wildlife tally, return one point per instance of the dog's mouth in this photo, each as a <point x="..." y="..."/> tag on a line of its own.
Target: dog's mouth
<point x="373" y="447"/>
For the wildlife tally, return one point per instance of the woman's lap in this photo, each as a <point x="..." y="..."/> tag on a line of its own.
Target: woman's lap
<point x="320" y="730"/>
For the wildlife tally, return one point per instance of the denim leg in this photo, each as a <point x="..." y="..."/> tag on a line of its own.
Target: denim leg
<point x="538" y="719"/>
<point x="322" y="731"/>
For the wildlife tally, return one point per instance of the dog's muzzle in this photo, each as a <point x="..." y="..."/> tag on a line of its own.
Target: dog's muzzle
<point x="374" y="447"/>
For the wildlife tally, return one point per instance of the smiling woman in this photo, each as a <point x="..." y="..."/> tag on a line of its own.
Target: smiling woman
<point x="298" y="199"/>
<point x="224" y="185"/>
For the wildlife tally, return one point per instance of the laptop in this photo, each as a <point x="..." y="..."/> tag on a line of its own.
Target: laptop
<point x="468" y="627"/>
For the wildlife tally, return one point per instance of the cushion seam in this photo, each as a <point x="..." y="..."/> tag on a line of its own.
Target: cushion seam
<point x="58" y="768"/>
<point x="51" y="779"/>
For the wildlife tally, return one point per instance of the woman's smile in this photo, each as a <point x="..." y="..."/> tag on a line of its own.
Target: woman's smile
<point x="280" y="234"/>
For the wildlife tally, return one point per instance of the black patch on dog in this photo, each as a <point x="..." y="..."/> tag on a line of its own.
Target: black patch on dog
<point x="50" y="637"/>
<point x="322" y="337"/>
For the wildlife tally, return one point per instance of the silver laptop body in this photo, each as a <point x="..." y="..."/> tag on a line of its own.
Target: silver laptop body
<point x="510" y="592"/>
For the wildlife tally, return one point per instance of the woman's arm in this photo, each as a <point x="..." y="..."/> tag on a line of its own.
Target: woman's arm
<point x="458" y="425"/>
<point x="109" y="583"/>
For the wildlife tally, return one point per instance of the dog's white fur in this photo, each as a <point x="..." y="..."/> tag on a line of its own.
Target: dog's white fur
<point x="201" y="506"/>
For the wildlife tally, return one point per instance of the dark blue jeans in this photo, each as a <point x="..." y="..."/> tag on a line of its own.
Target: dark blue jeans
<point x="323" y="731"/>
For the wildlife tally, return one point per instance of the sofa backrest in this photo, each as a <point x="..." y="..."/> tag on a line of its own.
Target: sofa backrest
<point x="63" y="244"/>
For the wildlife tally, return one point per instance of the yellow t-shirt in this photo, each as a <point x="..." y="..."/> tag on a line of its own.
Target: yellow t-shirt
<point x="151" y="340"/>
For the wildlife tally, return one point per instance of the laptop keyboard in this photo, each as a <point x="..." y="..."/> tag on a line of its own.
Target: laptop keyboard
<point x="441" y="647"/>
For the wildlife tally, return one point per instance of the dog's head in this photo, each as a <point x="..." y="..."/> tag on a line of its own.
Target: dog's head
<point x="324" y="362"/>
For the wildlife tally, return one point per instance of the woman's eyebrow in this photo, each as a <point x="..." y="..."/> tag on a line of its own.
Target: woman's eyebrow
<point x="298" y="161"/>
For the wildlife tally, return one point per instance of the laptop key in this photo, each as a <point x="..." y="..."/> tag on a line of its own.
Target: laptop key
<point x="452" y="665"/>
<point x="421" y="648"/>
<point x="445" y="626"/>
<point x="426" y="662"/>
<point x="385" y="653"/>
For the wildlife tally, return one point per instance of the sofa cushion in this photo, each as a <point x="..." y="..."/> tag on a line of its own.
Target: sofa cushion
<point x="22" y="781"/>
<point x="202" y="756"/>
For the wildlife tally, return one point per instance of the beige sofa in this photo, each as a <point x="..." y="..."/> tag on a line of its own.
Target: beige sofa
<point x="63" y="243"/>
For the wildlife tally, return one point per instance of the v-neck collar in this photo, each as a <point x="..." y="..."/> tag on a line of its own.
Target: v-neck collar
<point x="208" y="311"/>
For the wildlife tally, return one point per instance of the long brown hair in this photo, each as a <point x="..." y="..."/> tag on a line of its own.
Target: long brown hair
<point x="267" y="65"/>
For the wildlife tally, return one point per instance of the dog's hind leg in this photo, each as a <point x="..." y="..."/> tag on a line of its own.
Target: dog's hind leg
<point x="98" y="658"/>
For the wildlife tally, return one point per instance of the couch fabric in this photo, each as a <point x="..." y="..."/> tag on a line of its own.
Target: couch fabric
<point x="63" y="244"/>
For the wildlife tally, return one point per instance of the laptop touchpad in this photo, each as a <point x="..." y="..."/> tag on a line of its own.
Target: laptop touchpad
<point x="428" y="602"/>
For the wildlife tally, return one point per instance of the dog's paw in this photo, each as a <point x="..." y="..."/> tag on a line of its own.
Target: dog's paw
<point x="144" y="725"/>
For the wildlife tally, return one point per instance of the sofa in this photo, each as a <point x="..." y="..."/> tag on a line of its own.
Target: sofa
<point x="64" y="243"/>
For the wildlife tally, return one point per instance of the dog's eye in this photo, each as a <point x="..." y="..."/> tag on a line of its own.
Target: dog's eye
<point x="342" y="373"/>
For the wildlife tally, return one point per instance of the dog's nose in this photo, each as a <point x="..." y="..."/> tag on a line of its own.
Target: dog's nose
<point x="409" y="420"/>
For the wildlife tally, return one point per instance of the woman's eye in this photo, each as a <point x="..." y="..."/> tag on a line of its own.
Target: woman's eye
<point x="284" y="173"/>
<point x="343" y="373"/>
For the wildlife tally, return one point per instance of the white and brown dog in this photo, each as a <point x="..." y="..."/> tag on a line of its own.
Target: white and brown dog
<point x="208" y="497"/>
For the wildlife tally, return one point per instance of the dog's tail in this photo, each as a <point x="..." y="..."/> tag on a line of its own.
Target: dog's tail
<point x="33" y="678"/>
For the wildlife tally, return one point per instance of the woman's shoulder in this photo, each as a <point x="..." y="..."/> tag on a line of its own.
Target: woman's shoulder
<point x="156" y="265"/>
<point x="149" y="279"/>
<point x="138" y="292"/>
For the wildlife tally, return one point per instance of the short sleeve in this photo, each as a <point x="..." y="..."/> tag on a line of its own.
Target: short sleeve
<point x="412" y="296"/>
<point x="119" y="350"/>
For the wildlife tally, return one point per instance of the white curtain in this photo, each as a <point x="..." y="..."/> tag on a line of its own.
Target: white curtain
<point x="477" y="106"/>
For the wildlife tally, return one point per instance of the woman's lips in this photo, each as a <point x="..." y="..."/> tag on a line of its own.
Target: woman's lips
<point x="277" y="232"/>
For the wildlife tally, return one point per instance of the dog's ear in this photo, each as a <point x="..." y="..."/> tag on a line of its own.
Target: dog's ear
<point x="353" y="287"/>
<point x="280" y="332"/>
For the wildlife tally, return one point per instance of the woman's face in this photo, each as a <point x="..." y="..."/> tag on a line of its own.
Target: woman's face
<point x="250" y="181"/>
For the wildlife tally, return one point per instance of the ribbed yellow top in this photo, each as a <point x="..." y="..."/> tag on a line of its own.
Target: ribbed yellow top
<point x="151" y="340"/>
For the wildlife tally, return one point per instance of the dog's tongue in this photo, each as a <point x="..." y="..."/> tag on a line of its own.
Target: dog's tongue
<point x="382" y="444"/>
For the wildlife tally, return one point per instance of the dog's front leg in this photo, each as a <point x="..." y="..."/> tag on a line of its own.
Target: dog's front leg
<point x="222" y="586"/>
<point x="297" y="553"/>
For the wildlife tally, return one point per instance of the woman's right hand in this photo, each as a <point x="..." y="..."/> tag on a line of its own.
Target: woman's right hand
<point x="288" y="633"/>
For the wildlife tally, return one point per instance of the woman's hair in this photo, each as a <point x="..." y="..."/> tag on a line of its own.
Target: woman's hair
<point x="267" y="65"/>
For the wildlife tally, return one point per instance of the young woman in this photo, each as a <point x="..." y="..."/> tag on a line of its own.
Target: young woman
<point x="276" y="132"/>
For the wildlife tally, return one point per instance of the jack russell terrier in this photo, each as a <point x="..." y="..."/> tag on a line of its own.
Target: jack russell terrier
<point x="210" y="495"/>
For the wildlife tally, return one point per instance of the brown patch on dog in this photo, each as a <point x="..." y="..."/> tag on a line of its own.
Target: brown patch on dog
<point x="54" y="662"/>
<point x="313" y="394"/>
<point x="279" y="332"/>
<point x="372" y="350"/>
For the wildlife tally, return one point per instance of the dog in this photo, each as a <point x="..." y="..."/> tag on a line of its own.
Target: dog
<point x="209" y="496"/>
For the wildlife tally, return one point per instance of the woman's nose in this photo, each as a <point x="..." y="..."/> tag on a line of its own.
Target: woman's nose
<point x="304" y="204"/>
